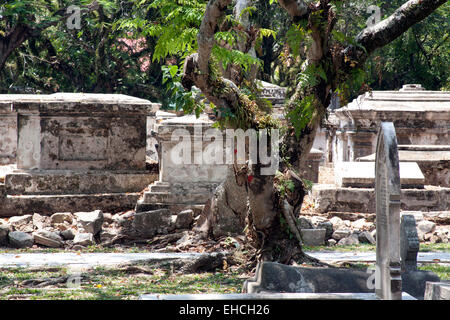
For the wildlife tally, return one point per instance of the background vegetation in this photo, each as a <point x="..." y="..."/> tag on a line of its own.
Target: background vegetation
<point x="138" y="47"/>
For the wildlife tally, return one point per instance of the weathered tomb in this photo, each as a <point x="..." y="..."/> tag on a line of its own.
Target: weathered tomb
<point x="182" y="185"/>
<point x="422" y="122"/>
<point x="421" y="118"/>
<point x="77" y="151"/>
<point x="275" y="94"/>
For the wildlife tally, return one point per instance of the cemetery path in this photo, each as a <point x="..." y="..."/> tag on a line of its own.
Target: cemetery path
<point x="89" y="260"/>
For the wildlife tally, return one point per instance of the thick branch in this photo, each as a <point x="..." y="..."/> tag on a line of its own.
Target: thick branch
<point x="214" y="11"/>
<point x="220" y="91"/>
<point x="396" y="24"/>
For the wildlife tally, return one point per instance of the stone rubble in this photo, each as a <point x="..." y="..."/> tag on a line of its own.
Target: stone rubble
<point x="19" y="239"/>
<point x="84" y="239"/>
<point x="81" y="229"/>
<point x="48" y="239"/>
<point x="90" y="222"/>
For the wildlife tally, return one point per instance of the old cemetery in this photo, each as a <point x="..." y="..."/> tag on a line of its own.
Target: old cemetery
<point x="232" y="156"/>
<point x="90" y="180"/>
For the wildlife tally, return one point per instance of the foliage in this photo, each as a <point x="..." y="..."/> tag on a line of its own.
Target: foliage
<point x="176" y="97"/>
<point x="302" y="113"/>
<point x="283" y="184"/>
<point x="96" y="58"/>
<point x="420" y="55"/>
<point x="174" y="25"/>
<point x="122" y="47"/>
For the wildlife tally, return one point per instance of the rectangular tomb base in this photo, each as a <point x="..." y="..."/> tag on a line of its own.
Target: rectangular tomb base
<point x="269" y="296"/>
<point x="328" y="197"/>
<point x="176" y="196"/>
<point x="49" y="204"/>
<point x="362" y="175"/>
<point x="54" y="182"/>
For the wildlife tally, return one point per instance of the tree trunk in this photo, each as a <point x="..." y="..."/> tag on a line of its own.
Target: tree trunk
<point x="249" y="202"/>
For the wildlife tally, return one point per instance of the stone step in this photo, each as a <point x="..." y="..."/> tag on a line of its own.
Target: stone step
<point x="183" y="188"/>
<point x="174" y="208"/>
<point x="69" y="182"/>
<point x="439" y="217"/>
<point x="49" y="204"/>
<point x="362" y="174"/>
<point x="352" y="216"/>
<point x="329" y="198"/>
<point x="159" y="188"/>
<point x="173" y="198"/>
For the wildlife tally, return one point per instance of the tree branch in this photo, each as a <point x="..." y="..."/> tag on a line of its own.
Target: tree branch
<point x="222" y="92"/>
<point x="21" y="32"/>
<point x="396" y="24"/>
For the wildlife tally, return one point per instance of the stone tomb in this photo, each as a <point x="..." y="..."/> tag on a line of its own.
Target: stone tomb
<point x="420" y="117"/>
<point x="84" y="151"/>
<point x="182" y="185"/>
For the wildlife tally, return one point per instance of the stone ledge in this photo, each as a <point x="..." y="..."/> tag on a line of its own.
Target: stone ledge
<point x="70" y="182"/>
<point x="49" y="204"/>
<point x="173" y="198"/>
<point x="268" y="296"/>
<point x="362" y="174"/>
<point x="331" y="198"/>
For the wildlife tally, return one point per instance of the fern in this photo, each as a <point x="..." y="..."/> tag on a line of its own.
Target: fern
<point x="300" y="116"/>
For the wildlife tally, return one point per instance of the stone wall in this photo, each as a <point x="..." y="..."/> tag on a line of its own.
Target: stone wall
<point x="8" y="131"/>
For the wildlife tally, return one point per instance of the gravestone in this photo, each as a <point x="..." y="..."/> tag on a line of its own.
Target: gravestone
<point x="409" y="243"/>
<point x="388" y="283"/>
